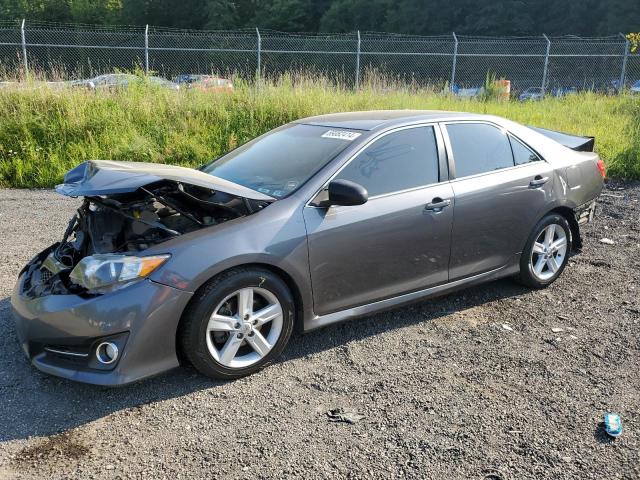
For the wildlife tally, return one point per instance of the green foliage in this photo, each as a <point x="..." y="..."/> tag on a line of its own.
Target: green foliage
<point x="421" y="17"/>
<point x="351" y="15"/>
<point x="287" y="15"/>
<point x="634" y="41"/>
<point x="45" y="132"/>
<point x="491" y="90"/>
<point x="92" y="11"/>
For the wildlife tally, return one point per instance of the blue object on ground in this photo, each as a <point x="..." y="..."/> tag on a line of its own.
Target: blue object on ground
<point x="613" y="424"/>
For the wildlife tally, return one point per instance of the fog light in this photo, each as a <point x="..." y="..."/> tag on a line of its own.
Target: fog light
<point x="107" y="353"/>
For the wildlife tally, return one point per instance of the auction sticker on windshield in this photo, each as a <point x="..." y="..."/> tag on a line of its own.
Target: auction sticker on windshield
<point x="341" y="135"/>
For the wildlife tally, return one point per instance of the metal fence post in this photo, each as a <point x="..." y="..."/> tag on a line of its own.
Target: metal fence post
<point x="455" y="61"/>
<point x="24" y="50"/>
<point x="358" y="63"/>
<point x="259" y="70"/>
<point x="146" y="49"/>
<point x="545" y="71"/>
<point x="623" y="73"/>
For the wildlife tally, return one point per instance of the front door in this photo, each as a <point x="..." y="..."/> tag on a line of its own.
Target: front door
<point x="398" y="241"/>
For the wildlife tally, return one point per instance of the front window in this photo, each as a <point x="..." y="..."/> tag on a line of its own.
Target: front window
<point x="398" y="161"/>
<point x="278" y="163"/>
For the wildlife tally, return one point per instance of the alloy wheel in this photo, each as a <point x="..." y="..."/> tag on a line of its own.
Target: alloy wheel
<point x="244" y="327"/>
<point x="548" y="252"/>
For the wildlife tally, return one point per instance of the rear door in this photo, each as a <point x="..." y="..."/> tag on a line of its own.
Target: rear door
<point x="501" y="188"/>
<point x="396" y="242"/>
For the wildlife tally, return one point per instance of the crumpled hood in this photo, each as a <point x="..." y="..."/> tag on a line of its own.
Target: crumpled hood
<point x="104" y="177"/>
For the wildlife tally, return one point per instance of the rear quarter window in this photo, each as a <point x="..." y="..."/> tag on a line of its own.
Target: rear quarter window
<point x="478" y="148"/>
<point x="521" y="153"/>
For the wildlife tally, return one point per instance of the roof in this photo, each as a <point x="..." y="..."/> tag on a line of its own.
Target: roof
<point x="373" y="119"/>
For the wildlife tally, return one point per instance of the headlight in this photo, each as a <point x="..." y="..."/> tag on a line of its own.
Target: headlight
<point x="103" y="273"/>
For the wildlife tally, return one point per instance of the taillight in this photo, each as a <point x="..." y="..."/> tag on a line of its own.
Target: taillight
<point x="602" y="168"/>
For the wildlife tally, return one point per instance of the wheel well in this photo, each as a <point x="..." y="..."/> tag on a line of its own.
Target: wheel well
<point x="576" y="239"/>
<point x="293" y="286"/>
<point x="286" y="278"/>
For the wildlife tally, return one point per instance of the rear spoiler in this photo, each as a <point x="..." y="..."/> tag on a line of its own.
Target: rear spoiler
<point x="574" y="142"/>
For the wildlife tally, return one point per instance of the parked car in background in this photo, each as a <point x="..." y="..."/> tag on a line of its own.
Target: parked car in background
<point x="107" y="81"/>
<point x="163" y="82"/>
<point x="607" y="87"/>
<point x="115" y="81"/>
<point x="613" y="87"/>
<point x="635" y="88"/>
<point x="564" y="91"/>
<point x="207" y="83"/>
<point x="466" y="92"/>
<point x="531" y="93"/>
<point x="215" y="84"/>
<point x="319" y="221"/>
<point x="188" y="79"/>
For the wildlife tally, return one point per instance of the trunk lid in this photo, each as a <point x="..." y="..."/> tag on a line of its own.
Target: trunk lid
<point x="574" y="142"/>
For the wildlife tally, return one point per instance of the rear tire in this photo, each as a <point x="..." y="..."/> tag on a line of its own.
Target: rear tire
<point x="546" y="252"/>
<point x="237" y="323"/>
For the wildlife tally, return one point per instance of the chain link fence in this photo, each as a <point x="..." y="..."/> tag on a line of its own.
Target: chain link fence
<point x="550" y="63"/>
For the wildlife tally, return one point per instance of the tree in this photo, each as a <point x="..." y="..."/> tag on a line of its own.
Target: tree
<point x="96" y="11"/>
<point x="221" y="15"/>
<point x="634" y="40"/>
<point x="50" y="10"/>
<point x="425" y="17"/>
<point x="506" y="17"/>
<point x="289" y="15"/>
<point x="420" y="17"/>
<point x="351" y="15"/>
<point x="621" y="16"/>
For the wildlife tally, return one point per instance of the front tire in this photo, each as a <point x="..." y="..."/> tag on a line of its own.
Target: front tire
<point x="237" y="323"/>
<point x="546" y="252"/>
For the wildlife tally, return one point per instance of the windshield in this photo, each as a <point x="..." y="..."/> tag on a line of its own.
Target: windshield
<point x="280" y="162"/>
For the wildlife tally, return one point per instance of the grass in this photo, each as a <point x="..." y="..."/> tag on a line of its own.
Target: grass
<point x="45" y="132"/>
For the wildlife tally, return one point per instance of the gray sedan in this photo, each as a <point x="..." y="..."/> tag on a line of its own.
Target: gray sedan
<point x="319" y="221"/>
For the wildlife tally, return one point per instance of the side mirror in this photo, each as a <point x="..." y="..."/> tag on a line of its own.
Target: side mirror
<point x="345" y="192"/>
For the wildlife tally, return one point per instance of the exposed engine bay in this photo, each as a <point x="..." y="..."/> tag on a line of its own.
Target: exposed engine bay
<point x="128" y="223"/>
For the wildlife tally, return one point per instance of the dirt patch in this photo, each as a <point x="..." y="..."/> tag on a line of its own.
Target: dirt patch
<point x="62" y="447"/>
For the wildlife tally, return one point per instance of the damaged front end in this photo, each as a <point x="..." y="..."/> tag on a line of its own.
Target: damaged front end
<point x="100" y="250"/>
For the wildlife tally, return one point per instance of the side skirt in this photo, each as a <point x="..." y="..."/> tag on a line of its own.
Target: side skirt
<point x="355" y="312"/>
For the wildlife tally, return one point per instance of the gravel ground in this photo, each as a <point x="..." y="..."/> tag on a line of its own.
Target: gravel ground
<point x="440" y="389"/>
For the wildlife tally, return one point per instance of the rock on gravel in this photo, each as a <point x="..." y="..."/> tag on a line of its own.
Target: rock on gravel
<point x="444" y="393"/>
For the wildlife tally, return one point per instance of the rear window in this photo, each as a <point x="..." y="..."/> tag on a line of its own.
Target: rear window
<point x="479" y="148"/>
<point x="279" y="162"/>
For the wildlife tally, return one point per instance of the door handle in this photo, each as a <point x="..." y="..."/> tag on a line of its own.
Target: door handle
<point x="437" y="204"/>
<point x="538" y="181"/>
